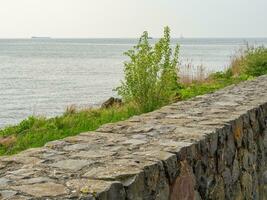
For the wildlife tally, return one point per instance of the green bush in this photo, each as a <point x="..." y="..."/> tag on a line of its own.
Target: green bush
<point x="151" y="74"/>
<point x="255" y="61"/>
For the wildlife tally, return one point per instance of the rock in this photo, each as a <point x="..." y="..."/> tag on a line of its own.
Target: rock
<point x="238" y="132"/>
<point x="104" y="190"/>
<point x="237" y="192"/>
<point x="169" y="160"/>
<point x="113" y="171"/>
<point x="34" y="180"/>
<point x="4" y="182"/>
<point x="156" y="183"/>
<point x="71" y="164"/>
<point x="213" y="142"/>
<point x="135" y="187"/>
<point x="217" y="192"/>
<point x="230" y="150"/>
<point x="20" y="173"/>
<point x="42" y="189"/>
<point x="183" y="187"/>
<point x="227" y="177"/>
<point x="135" y="142"/>
<point x="245" y="159"/>
<point x="246" y="184"/>
<point x="7" y="194"/>
<point x="93" y="154"/>
<point x="26" y="160"/>
<point x="111" y="102"/>
<point x="76" y="147"/>
<point x="235" y="170"/>
<point x="115" y="192"/>
<point x="264" y="178"/>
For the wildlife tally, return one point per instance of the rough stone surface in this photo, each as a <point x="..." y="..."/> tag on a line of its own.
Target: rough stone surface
<point x="211" y="147"/>
<point x="42" y="190"/>
<point x="71" y="164"/>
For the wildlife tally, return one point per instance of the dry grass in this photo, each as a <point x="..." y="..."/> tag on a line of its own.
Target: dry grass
<point x="8" y="141"/>
<point x="237" y="62"/>
<point x="190" y="73"/>
<point x="72" y="109"/>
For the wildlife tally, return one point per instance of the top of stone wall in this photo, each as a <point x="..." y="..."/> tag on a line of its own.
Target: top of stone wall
<point x="111" y="162"/>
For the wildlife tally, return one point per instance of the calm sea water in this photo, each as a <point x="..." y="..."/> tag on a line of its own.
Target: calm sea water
<point x="43" y="76"/>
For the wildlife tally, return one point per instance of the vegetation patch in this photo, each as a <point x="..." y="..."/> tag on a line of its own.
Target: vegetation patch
<point x="36" y="131"/>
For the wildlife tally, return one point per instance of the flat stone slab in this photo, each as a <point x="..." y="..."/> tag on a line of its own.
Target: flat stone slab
<point x="208" y="147"/>
<point x="71" y="164"/>
<point x="7" y="194"/>
<point x="43" y="189"/>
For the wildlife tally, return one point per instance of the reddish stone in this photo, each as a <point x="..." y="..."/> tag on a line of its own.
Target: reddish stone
<point x="183" y="186"/>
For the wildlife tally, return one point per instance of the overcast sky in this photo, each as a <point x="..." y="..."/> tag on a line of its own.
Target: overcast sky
<point x="129" y="18"/>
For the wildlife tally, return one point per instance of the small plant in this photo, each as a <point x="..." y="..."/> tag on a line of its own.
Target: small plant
<point x="151" y="74"/>
<point x="251" y="62"/>
<point x="255" y="61"/>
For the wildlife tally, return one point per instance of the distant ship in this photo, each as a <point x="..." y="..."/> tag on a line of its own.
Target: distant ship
<point x="35" y="37"/>
<point x="150" y="38"/>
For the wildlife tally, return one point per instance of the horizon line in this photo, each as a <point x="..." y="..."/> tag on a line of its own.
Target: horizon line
<point x="205" y="37"/>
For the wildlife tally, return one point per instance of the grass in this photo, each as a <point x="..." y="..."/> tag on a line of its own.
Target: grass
<point x="36" y="131"/>
<point x="212" y="83"/>
<point x="246" y="64"/>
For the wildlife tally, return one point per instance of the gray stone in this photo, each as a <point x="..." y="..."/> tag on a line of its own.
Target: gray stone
<point x="217" y="192"/>
<point x="246" y="184"/>
<point x="7" y="194"/>
<point x="22" y="159"/>
<point x="235" y="170"/>
<point x="227" y="177"/>
<point x="115" y="192"/>
<point x="237" y="192"/>
<point x="76" y="147"/>
<point x="265" y="178"/>
<point x="213" y="141"/>
<point x="21" y="173"/>
<point x="135" y="142"/>
<point x="34" y="180"/>
<point x="139" y="136"/>
<point x="4" y="182"/>
<point x="103" y="190"/>
<point x="135" y="187"/>
<point x="93" y="154"/>
<point x="113" y="172"/>
<point x="245" y="159"/>
<point x="55" y="144"/>
<point x="156" y="182"/>
<point x="43" y="189"/>
<point x="230" y="150"/>
<point x="71" y="164"/>
<point x="169" y="162"/>
<point x="197" y="196"/>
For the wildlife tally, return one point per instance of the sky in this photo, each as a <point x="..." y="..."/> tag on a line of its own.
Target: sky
<point x="129" y="18"/>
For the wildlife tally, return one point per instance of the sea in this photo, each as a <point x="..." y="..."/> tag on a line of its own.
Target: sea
<point x="42" y="76"/>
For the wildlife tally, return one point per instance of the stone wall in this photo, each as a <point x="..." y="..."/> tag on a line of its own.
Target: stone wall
<point x="211" y="147"/>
